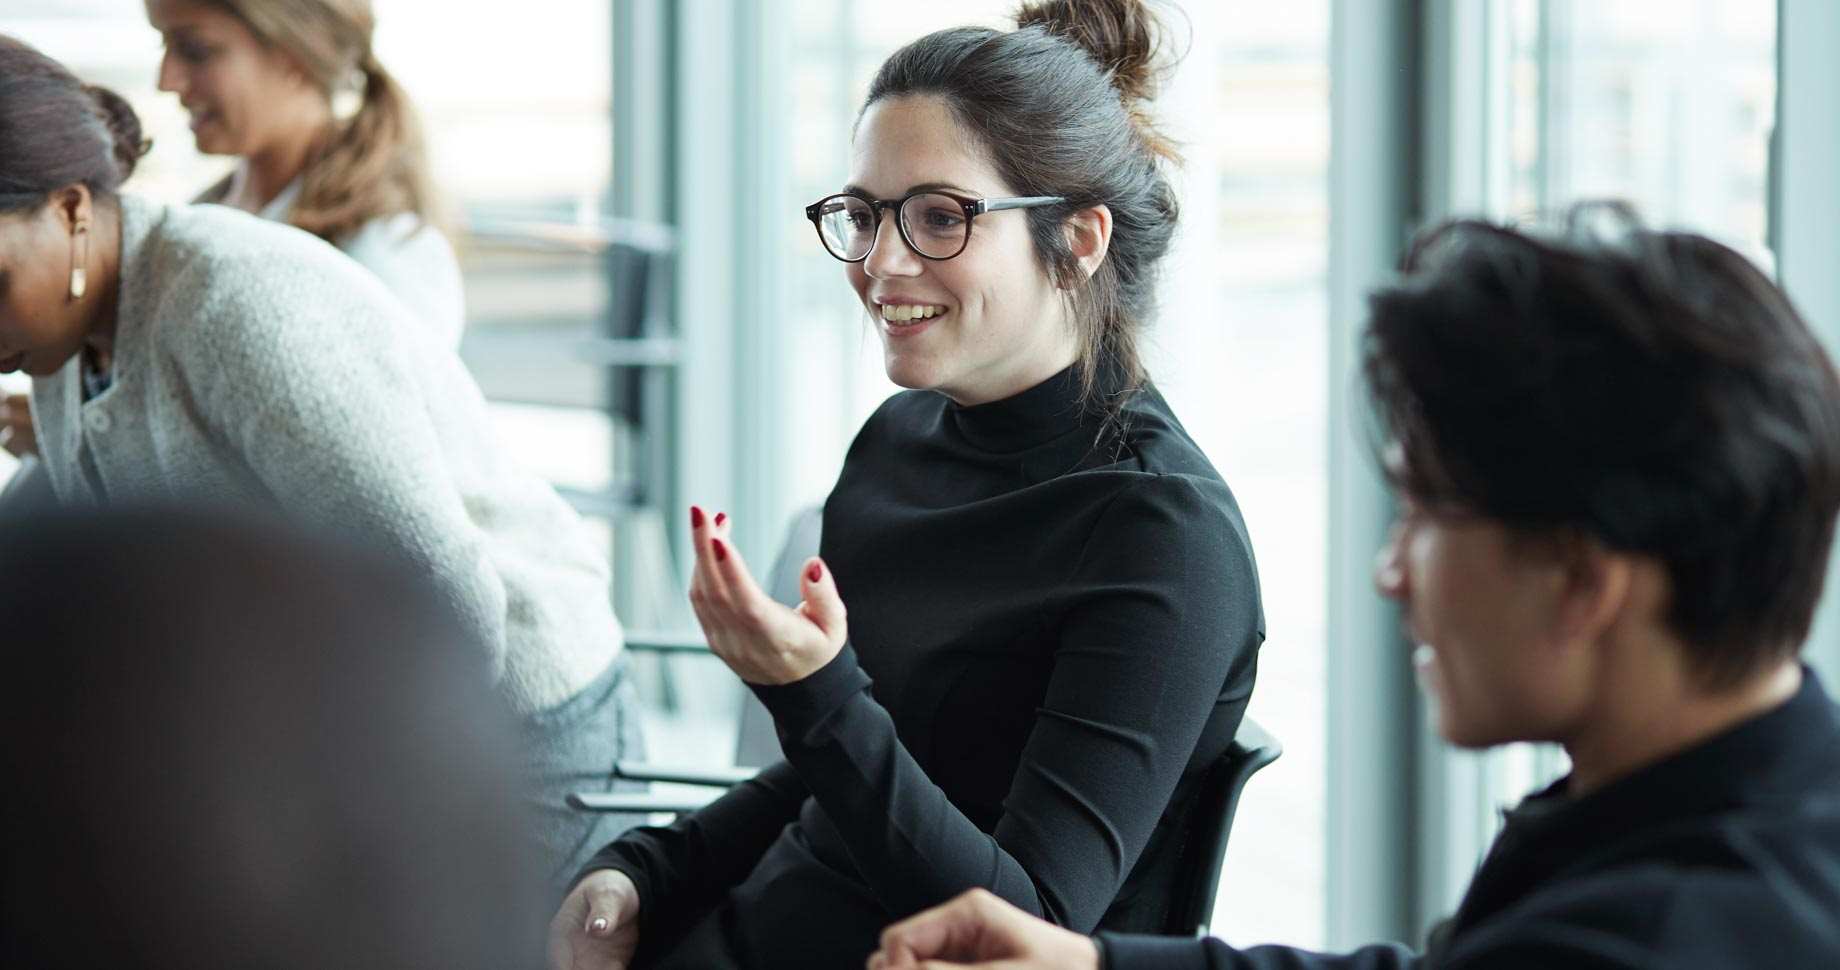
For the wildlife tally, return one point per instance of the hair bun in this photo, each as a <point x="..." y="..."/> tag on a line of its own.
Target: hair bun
<point x="1123" y="36"/>
<point x="124" y="127"/>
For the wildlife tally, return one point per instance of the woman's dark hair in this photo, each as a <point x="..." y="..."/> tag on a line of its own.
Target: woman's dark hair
<point x="1650" y="390"/>
<point x="1060" y="106"/>
<point x="56" y="131"/>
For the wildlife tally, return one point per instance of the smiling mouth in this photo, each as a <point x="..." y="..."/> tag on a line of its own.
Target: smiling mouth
<point x="907" y="314"/>
<point x="11" y="364"/>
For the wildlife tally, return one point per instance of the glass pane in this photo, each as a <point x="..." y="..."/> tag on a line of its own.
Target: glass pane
<point x="1245" y="334"/>
<point x="1666" y="103"/>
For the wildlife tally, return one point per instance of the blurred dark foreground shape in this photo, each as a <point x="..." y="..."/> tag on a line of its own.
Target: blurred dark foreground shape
<point x="229" y="745"/>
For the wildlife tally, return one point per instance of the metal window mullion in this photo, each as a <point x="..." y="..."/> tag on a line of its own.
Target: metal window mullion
<point x="1371" y="708"/>
<point x="1805" y="211"/>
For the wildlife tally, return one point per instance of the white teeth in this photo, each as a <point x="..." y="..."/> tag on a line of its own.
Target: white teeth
<point x="905" y="312"/>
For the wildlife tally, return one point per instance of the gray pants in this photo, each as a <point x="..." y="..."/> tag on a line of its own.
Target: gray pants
<point x="572" y="748"/>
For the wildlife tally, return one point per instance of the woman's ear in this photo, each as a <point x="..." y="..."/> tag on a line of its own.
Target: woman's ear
<point x="1089" y="236"/>
<point x="74" y="206"/>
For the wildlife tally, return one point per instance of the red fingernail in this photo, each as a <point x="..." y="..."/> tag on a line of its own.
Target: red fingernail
<point x="815" y="573"/>
<point x="721" y="517"/>
<point x="721" y="550"/>
<point x="696" y="517"/>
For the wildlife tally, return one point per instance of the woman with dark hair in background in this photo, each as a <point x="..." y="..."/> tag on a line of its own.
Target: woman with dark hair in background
<point x="327" y="140"/>
<point x="1053" y="610"/>
<point x="197" y="353"/>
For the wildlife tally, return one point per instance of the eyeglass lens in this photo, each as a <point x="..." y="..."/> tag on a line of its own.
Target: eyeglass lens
<point x="935" y="225"/>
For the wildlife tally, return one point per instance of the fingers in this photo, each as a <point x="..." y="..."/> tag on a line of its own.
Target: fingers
<point x="822" y="605"/>
<point x="609" y="898"/>
<point x="949" y="930"/>
<point x="16" y="432"/>
<point x="722" y="588"/>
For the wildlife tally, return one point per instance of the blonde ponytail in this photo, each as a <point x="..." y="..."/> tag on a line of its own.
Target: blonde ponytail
<point x="372" y="165"/>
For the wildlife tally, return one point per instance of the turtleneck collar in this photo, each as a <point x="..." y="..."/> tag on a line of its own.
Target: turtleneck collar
<point x="1036" y="416"/>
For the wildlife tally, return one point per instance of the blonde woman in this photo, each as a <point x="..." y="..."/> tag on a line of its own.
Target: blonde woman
<point x="327" y="140"/>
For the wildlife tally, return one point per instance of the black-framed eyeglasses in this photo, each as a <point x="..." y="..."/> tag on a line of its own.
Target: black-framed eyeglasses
<point x="935" y="225"/>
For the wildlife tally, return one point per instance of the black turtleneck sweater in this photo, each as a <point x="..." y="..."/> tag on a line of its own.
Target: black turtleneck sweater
<point x="1724" y="855"/>
<point x="1054" y="623"/>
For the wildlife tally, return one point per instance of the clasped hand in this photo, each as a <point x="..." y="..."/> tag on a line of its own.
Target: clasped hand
<point x="16" y="432"/>
<point x="763" y="641"/>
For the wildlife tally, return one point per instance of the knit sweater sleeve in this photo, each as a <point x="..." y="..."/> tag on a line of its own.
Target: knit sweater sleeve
<point x="1166" y="610"/>
<point x="306" y="379"/>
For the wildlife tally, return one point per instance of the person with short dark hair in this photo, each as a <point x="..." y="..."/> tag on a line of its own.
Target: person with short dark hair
<point x="230" y="745"/>
<point x="1618" y="466"/>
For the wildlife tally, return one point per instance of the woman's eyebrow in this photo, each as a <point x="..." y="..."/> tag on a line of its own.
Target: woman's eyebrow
<point x="854" y="189"/>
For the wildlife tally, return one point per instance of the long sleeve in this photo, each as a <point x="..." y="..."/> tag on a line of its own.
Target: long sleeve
<point x="1165" y="614"/>
<point x="1124" y="952"/>
<point x="330" y="420"/>
<point x="683" y="868"/>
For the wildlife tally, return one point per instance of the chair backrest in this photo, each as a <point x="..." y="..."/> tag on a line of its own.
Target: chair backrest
<point x="1205" y="845"/>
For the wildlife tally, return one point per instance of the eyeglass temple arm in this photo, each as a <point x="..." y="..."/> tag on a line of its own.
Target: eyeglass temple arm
<point x="1022" y="202"/>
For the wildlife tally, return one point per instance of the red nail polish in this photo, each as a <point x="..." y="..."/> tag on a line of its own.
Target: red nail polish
<point x="815" y="573"/>
<point x="721" y="550"/>
<point x="721" y="517"/>
<point x="696" y="517"/>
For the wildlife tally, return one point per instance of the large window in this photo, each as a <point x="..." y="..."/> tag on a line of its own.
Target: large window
<point x="1665" y="104"/>
<point x="1244" y="360"/>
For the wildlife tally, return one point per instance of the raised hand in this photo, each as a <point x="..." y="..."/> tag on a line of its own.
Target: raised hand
<point x="762" y="641"/>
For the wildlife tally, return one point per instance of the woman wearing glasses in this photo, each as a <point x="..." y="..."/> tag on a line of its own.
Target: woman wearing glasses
<point x="1053" y="612"/>
<point x="196" y="354"/>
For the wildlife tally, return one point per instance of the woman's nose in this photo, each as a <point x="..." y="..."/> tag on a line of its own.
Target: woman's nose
<point x="170" y="76"/>
<point x="890" y="257"/>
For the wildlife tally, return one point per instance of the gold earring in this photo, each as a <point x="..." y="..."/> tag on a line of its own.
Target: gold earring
<point x="79" y="275"/>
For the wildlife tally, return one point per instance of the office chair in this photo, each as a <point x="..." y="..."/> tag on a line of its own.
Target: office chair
<point x="1192" y="904"/>
<point x="1204" y="840"/>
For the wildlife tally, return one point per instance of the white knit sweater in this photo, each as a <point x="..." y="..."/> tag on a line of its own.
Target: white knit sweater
<point x="413" y="260"/>
<point x="253" y="363"/>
